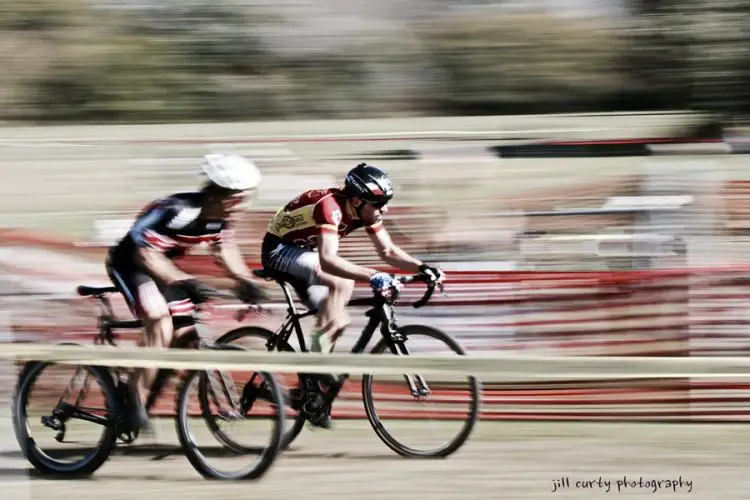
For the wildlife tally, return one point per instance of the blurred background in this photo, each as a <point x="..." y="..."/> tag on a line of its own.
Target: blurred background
<point x="602" y="141"/>
<point x="578" y="167"/>
<point x="169" y="60"/>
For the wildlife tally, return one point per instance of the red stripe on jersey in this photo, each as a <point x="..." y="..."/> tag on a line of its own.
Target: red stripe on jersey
<point x="195" y="240"/>
<point x="181" y="307"/>
<point x="158" y="241"/>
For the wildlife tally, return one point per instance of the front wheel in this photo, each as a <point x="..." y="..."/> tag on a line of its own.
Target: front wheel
<point x="404" y="398"/>
<point x="219" y="404"/>
<point x="256" y="338"/>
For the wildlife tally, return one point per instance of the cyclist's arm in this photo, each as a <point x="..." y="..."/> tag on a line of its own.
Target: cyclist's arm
<point x="159" y="266"/>
<point x="151" y="242"/>
<point x="228" y="255"/>
<point x="390" y="253"/>
<point x="332" y="263"/>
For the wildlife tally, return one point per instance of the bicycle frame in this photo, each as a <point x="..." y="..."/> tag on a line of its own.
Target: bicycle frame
<point x="107" y="323"/>
<point x="380" y="314"/>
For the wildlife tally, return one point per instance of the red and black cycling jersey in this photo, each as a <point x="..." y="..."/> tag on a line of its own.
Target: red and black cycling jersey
<point x="301" y="220"/>
<point x="171" y="225"/>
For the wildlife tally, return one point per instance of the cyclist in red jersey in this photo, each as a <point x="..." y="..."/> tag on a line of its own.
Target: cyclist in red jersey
<point x="302" y="241"/>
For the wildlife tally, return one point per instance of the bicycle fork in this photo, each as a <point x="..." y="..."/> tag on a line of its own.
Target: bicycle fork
<point x="417" y="384"/>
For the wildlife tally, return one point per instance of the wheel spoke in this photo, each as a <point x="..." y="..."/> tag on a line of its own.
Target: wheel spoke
<point x="199" y="453"/>
<point x="68" y="461"/>
<point x="293" y="388"/>
<point x="465" y="410"/>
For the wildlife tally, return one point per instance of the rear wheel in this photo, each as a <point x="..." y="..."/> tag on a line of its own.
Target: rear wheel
<point x="60" y="407"/>
<point x="219" y="403"/>
<point x="256" y="338"/>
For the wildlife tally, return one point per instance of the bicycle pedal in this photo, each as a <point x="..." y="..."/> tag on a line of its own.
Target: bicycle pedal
<point x="229" y="415"/>
<point x="318" y="416"/>
<point x="314" y="407"/>
<point x="128" y="437"/>
<point x="321" y="422"/>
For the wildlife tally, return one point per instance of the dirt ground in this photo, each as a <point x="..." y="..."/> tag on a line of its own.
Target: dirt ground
<point x="502" y="460"/>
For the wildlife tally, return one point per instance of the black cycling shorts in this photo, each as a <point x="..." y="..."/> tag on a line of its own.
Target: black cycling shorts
<point x="297" y="266"/>
<point x="143" y="293"/>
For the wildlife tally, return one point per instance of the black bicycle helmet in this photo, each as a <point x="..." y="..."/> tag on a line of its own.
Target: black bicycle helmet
<point x="369" y="183"/>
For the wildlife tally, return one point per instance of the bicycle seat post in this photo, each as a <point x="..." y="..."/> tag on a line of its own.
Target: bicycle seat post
<point x="291" y="309"/>
<point x="104" y="319"/>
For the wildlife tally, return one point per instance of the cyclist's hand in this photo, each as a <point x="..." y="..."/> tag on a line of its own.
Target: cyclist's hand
<point x="384" y="284"/>
<point x="433" y="273"/>
<point x="196" y="290"/>
<point x="251" y="292"/>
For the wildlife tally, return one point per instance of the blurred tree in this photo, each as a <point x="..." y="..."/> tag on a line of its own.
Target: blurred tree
<point x="641" y="7"/>
<point x="383" y="76"/>
<point x="217" y="36"/>
<point x="128" y="66"/>
<point x="41" y="15"/>
<point x="523" y="63"/>
<point x="158" y="60"/>
<point x="694" y="53"/>
<point x="129" y="78"/>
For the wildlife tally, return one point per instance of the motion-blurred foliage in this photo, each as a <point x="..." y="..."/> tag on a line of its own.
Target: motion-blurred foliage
<point x="523" y="62"/>
<point x="173" y="60"/>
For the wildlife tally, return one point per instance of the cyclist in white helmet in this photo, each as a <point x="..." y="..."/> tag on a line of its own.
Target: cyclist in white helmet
<point x="160" y="294"/>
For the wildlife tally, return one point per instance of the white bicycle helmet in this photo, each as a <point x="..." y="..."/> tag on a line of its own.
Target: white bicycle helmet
<point x="231" y="171"/>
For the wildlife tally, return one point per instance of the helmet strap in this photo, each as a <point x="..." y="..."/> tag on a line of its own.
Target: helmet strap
<point x="357" y="209"/>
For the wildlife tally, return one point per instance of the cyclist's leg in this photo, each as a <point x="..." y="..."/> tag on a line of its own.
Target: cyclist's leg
<point x="325" y="292"/>
<point x="181" y="309"/>
<point x="176" y="327"/>
<point x="146" y="302"/>
<point x="329" y="297"/>
<point x="332" y="317"/>
<point x="184" y="336"/>
<point x="321" y="291"/>
<point x="158" y="329"/>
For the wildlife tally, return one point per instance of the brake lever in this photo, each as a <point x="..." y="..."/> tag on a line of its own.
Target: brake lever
<point x="243" y="313"/>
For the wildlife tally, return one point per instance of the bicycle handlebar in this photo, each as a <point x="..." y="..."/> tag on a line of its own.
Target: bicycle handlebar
<point x="431" y="285"/>
<point x="243" y="311"/>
